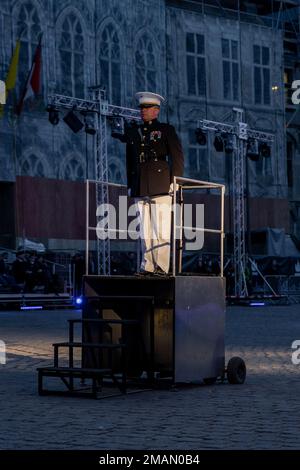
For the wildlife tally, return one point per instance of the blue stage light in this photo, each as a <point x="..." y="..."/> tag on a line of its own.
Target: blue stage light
<point x="78" y="300"/>
<point x="257" y="304"/>
<point x="31" y="307"/>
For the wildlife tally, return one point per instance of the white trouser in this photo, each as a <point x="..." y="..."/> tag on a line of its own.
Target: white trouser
<point x="155" y="232"/>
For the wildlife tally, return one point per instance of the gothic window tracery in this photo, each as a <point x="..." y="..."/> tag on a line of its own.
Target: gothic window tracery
<point x="71" y="53"/>
<point x="73" y="169"/>
<point x="145" y="64"/>
<point x="29" y="32"/>
<point x="32" y="166"/>
<point x="110" y="63"/>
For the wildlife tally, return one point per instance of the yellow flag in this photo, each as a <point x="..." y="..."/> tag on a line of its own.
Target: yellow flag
<point x="13" y="68"/>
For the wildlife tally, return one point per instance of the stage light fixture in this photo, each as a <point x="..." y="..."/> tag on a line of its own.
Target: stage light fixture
<point x="200" y="137"/>
<point x="89" y="122"/>
<point x="117" y="124"/>
<point x="119" y="128"/>
<point x="78" y="300"/>
<point x="218" y="143"/>
<point x="265" y="150"/>
<point x="31" y="307"/>
<point x="252" y="150"/>
<point x="228" y="144"/>
<point x="73" y="121"/>
<point x="53" y="115"/>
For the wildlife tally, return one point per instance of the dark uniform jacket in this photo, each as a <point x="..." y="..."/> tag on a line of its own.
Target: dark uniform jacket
<point x="153" y="156"/>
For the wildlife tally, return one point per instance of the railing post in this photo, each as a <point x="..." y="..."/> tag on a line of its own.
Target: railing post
<point x="174" y="228"/>
<point x="87" y="229"/>
<point x="222" y="231"/>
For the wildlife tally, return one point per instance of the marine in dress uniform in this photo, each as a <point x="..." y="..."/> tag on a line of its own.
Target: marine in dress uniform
<point x="153" y="157"/>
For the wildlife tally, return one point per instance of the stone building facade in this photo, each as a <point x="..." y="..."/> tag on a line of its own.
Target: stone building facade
<point x="204" y="59"/>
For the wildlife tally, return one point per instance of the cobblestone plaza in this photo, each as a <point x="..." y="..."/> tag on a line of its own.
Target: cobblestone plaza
<point x="261" y="414"/>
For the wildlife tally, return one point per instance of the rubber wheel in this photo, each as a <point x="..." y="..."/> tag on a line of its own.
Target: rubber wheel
<point x="236" y="371"/>
<point x="210" y="380"/>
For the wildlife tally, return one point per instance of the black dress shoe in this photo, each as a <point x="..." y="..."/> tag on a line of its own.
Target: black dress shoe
<point x="160" y="273"/>
<point x="143" y="273"/>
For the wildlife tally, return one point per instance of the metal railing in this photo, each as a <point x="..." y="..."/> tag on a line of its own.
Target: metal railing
<point x="188" y="184"/>
<point x="284" y="284"/>
<point x="183" y="184"/>
<point x="63" y="270"/>
<point x="109" y="229"/>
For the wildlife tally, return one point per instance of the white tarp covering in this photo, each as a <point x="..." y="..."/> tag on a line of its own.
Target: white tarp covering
<point x="29" y="245"/>
<point x="280" y="244"/>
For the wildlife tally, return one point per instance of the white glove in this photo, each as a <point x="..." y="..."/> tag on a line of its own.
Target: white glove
<point x="171" y="188"/>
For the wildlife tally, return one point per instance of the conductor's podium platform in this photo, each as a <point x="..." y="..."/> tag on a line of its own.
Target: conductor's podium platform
<point x="175" y="332"/>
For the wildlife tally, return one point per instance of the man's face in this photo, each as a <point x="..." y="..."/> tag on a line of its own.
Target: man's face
<point x="148" y="114"/>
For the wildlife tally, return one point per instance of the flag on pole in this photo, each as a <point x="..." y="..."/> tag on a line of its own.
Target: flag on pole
<point x="11" y="78"/>
<point x="33" y="82"/>
<point x="13" y="68"/>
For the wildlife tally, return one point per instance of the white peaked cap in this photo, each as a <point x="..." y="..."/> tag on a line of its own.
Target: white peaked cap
<point x="146" y="97"/>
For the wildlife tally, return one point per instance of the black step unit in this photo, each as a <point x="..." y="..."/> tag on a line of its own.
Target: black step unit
<point x="97" y="374"/>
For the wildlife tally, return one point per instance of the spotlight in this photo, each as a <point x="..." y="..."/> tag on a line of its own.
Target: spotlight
<point x="200" y="137"/>
<point x="73" y="121"/>
<point x="78" y="301"/>
<point x="265" y="150"/>
<point x="53" y="115"/>
<point x="218" y="143"/>
<point x="228" y="144"/>
<point x="118" y="128"/>
<point x="31" y="307"/>
<point x="117" y="125"/>
<point x="89" y="122"/>
<point x="252" y="150"/>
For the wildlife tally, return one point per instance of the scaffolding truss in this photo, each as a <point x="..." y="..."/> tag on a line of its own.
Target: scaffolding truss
<point x="240" y="134"/>
<point x="103" y="110"/>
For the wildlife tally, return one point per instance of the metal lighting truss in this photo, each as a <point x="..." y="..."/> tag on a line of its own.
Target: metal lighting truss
<point x="240" y="134"/>
<point x="99" y="105"/>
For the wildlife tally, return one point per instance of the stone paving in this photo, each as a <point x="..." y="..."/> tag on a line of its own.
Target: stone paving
<point x="263" y="413"/>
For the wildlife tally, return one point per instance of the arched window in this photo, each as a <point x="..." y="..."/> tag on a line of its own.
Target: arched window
<point x="29" y="32"/>
<point x="110" y="66"/>
<point x="73" y="170"/>
<point x="71" y="52"/>
<point x="197" y="158"/>
<point x="32" y="166"/>
<point x="116" y="171"/>
<point x="145" y="64"/>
